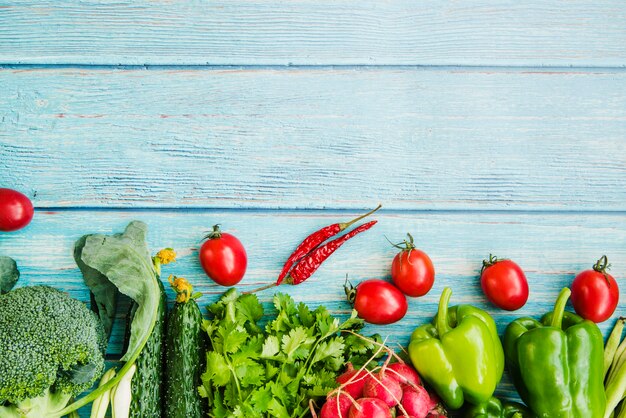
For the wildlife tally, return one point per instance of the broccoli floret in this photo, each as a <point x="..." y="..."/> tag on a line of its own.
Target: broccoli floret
<point x="51" y="347"/>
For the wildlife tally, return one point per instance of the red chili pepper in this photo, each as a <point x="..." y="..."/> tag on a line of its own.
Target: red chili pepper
<point x="315" y="239"/>
<point x="309" y="264"/>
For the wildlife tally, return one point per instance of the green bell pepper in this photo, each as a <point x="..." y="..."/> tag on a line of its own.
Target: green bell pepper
<point x="557" y="364"/>
<point x="459" y="355"/>
<point x="494" y="408"/>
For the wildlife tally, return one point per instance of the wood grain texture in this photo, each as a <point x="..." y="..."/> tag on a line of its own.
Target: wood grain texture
<point x="412" y="139"/>
<point x="312" y="32"/>
<point x="551" y="248"/>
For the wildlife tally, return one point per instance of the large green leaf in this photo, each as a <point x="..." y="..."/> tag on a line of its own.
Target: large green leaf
<point x="8" y="273"/>
<point x="103" y="292"/>
<point x="125" y="260"/>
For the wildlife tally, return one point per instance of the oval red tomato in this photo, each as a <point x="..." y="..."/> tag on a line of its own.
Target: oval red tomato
<point x="504" y="283"/>
<point x="16" y="210"/>
<point x="412" y="271"/>
<point x="223" y="258"/>
<point x="595" y="293"/>
<point x="378" y="301"/>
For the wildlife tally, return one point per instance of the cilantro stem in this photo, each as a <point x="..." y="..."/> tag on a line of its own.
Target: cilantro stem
<point x="235" y="380"/>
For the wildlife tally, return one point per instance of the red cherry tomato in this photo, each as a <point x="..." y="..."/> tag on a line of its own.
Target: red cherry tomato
<point x="223" y="258"/>
<point x="412" y="270"/>
<point x="16" y="210"/>
<point x="504" y="283"/>
<point x="595" y="293"/>
<point x="378" y="301"/>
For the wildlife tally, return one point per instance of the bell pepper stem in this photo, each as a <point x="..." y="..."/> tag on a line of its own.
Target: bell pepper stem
<point x="559" y="308"/>
<point x="443" y="327"/>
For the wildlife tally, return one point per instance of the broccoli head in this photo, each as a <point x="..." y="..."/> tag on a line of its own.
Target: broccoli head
<point x="51" y="348"/>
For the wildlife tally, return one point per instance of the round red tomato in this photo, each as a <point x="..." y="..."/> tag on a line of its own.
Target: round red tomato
<point x="595" y="293"/>
<point x="504" y="283"/>
<point x="223" y="258"/>
<point x="378" y="301"/>
<point x="412" y="270"/>
<point x="16" y="210"/>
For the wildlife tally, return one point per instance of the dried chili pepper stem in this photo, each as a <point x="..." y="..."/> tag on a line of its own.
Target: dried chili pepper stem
<point x="260" y="289"/>
<point x="315" y="239"/>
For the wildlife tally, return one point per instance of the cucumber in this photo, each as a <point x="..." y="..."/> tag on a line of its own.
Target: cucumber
<point x="185" y="355"/>
<point x="147" y="383"/>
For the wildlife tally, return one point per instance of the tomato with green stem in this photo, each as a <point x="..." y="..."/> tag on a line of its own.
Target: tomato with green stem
<point x="377" y="301"/>
<point x="412" y="271"/>
<point x="504" y="283"/>
<point x="595" y="293"/>
<point x="223" y="257"/>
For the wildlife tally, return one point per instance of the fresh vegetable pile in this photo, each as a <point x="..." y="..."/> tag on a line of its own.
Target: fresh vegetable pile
<point x="276" y="369"/>
<point x="292" y="361"/>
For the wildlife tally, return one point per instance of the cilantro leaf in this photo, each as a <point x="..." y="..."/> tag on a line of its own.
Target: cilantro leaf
<point x="296" y="344"/>
<point x="260" y="399"/>
<point x="218" y="408"/>
<point x="250" y="374"/>
<point x="271" y="371"/>
<point x="326" y="324"/>
<point x="277" y="409"/>
<point x="306" y="317"/>
<point x="271" y="346"/>
<point x="249" y="311"/>
<point x="217" y="370"/>
<point x="229" y="338"/>
<point x="219" y="308"/>
<point x="331" y="352"/>
<point x="284" y="303"/>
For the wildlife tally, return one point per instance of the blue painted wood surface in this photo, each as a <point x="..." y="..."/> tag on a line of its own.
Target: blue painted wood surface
<point x="445" y="113"/>
<point x="317" y="138"/>
<point x="314" y="32"/>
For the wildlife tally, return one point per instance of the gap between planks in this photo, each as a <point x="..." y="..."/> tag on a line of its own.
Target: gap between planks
<point x="329" y="67"/>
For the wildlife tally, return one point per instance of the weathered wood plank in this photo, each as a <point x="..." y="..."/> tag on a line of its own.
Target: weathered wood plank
<point x="416" y="139"/>
<point x="541" y="33"/>
<point x="551" y="248"/>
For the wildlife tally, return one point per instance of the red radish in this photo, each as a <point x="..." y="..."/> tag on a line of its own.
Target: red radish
<point x="357" y="381"/>
<point x="384" y="387"/>
<point x="336" y="406"/>
<point x="404" y="373"/>
<point x="417" y="402"/>
<point x="370" y="408"/>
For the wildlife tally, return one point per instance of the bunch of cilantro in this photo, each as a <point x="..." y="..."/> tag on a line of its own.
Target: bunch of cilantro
<point x="276" y="369"/>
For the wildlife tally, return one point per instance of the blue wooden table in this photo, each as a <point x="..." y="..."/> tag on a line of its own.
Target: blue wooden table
<point x="482" y="127"/>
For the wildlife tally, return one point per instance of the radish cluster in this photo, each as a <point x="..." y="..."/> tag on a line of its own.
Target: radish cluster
<point x="391" y="390"/>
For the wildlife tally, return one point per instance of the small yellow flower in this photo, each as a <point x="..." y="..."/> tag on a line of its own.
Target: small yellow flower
<point x="182" y="287"/>
<point x="166" y="255"/>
